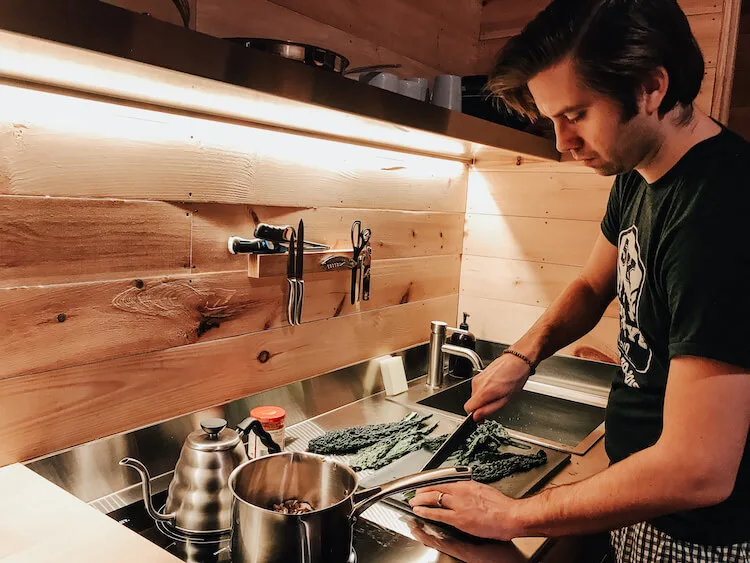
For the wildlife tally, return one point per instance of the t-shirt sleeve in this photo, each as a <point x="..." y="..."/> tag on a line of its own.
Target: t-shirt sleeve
<point x="705" y="274"/>
<point x="611" y="222"/>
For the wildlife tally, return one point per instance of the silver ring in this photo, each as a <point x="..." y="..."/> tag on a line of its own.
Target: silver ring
<point x="440" y="500"/>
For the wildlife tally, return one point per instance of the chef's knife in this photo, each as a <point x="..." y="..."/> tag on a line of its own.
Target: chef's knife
<point x="290" y="266"/>
<point x="300" y="269"/>
<point x="453" y="443"/>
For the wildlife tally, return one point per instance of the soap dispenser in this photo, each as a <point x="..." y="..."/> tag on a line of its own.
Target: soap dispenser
<point x="461" y="367"/>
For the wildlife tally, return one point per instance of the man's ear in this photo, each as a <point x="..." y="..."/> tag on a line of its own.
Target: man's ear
<point x="654" y="89"/>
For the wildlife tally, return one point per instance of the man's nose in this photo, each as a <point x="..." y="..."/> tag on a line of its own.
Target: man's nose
<point x="566" y="137"/>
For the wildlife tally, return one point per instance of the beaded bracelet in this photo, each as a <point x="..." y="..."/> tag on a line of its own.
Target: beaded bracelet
<point x="531" y="365"/>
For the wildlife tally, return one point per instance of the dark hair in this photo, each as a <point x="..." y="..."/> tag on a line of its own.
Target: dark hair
<point x="614" y="45"/>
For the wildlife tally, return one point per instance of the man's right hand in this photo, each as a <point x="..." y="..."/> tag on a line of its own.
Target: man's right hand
<point x="492" y="388"/>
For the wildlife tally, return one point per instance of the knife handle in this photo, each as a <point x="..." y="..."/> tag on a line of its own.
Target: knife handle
<point x="300" y="299"/>
<point x="355" y="277"/>
<point x="273" y="232"/>
<point x="291" y="306"/>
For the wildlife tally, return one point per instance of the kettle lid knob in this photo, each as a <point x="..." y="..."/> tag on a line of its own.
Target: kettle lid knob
<point x="212" y="426"/>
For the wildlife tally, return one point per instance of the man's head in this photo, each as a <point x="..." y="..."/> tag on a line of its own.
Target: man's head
<point x="607" y="73"/>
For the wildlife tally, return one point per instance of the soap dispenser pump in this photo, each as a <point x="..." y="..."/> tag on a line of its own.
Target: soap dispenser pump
<point x="462" y="367"/>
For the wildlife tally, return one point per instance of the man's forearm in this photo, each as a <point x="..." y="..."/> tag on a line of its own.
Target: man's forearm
<point x="573" y="314"/>
<point x="639" y="488"/>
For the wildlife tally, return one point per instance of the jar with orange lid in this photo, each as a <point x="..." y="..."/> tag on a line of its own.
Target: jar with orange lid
<point x="272" y="419"/>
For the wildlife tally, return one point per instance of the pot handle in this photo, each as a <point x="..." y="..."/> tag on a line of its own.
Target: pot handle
<point x="365" y="498"/>
<point x="254" y="424"/>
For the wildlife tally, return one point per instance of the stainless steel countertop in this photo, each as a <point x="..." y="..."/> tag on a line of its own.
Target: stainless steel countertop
<point x="350" y="396"/>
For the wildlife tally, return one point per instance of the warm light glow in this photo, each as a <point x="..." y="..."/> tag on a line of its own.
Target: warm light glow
<point x="480" y="198"/>
<point x="49" y="63"/>
<point x="76" y="117"/>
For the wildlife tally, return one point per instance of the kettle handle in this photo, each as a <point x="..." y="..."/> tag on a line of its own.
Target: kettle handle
<point x="250" y="423"/>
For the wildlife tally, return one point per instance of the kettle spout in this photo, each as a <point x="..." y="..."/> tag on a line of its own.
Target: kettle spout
<point x="146" y="484"/>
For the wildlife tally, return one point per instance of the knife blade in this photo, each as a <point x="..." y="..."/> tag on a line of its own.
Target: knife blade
<point x="300" y="269"/>
<point x="366" y="262"/>
<point x="453" y="443"/>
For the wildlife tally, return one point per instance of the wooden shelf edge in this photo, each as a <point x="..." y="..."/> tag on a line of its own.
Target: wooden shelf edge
<point x="274" y="265"/>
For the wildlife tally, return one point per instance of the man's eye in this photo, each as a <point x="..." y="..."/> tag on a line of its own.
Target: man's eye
<point x="576" y="118"/>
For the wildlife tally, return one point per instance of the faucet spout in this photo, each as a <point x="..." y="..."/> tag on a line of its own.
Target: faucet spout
<point x="467" y="353"/>
<point x="438" y="348"/>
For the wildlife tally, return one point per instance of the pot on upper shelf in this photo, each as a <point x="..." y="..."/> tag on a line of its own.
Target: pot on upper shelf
<point x="199" y="501"/>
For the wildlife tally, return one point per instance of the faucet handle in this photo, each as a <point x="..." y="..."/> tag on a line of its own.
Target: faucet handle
<point x="438" y="326"/>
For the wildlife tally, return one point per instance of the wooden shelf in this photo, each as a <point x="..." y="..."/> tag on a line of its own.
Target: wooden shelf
<point x="274" y="265"/>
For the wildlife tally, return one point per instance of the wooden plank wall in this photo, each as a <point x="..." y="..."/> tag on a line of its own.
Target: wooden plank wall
<point x="502" y="19"/>
<point x="120" y="303"/>
<point x="739" y="115"/>
<point x="529" y="230"/>
<point x="425" y="37"/>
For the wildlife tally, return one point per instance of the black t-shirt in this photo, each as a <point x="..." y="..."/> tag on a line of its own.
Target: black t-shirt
<point x="683" y="285"/>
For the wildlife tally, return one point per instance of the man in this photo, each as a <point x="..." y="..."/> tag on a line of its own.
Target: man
<point x="618" y="78"/>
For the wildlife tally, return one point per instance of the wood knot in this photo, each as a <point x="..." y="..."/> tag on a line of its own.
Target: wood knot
<point x="61" y="317"/>
<point x="139" y="284"/>
<point x="264" y="356"/>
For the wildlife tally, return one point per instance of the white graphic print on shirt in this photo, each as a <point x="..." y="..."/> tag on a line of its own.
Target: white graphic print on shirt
<point x="635" y="355"/>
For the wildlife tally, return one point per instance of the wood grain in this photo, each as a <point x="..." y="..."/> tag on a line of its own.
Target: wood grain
<point x="61" y="240"/>
<point x="395" y="234"/>
<point x="487" y="51"/>
<point x="705" y="96"/>
<point x="140" y="390"/>
<point x="261" y="18"/>
<point x="557" y="241"/>
<point x="564" y="166"/>
<point x="397" y="25"/>
<point x="722" y="94"/>
<point x="707" y="31"/>
<point x="42" y="523"/>
<point x="464" y="16"/>
<point x="533" y="194"/>
<point x="164" y="10"/>
<point x="130" y="153"/>
<point x="518" y="281"/>
<point x="83" y="323"/>
<point x="505" y="18"/>
<point x="600" y="344"/>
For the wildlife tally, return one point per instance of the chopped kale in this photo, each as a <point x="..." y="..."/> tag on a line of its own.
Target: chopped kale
<point x="488" y="467"/>
<point x="433" y="444"/>
<point x="351" y="440"/>
<point x="481" y="452"/>
<point x="392" y="448"/>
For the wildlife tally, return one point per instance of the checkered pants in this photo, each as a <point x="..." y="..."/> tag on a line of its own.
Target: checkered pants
<point x="642" y="543"/>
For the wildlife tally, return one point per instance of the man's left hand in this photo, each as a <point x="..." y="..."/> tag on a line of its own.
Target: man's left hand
<point x="476" y="509"/>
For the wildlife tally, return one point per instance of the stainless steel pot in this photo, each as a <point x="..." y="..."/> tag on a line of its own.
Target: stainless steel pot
<point x="199" y="501"/>
<point x="261" y="535"/>
<point x="311" y="55"/>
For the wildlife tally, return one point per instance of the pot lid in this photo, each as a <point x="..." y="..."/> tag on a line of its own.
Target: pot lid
<point x="214" y="436"/>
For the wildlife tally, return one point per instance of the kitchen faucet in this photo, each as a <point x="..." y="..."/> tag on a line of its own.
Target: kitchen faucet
<point x="438" y="347"/>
